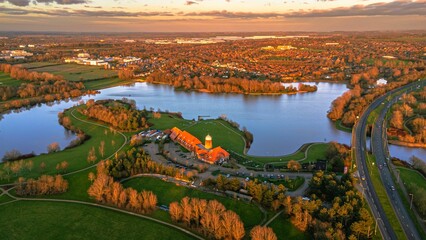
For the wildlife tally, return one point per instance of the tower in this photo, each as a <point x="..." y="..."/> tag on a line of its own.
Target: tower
<point x="208" y="143"/>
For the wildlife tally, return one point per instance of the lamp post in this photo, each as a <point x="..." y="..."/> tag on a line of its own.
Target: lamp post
<point x="375" y="227"/>
<point x="411" y="201"/>
<point x="397" y="178"/>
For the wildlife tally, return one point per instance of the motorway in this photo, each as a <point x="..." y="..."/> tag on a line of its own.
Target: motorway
<point x="359" y="140"/>
<point x="379" y="148"/>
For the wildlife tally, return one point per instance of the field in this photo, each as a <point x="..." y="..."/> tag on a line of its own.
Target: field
<point x="168" y="192"/>
<point x="412" y="177"/>
<point x="73" y="72"/>
<point x="48" y="220"/>
<point x="6" y="80"/>
<point x="285" y="230"/>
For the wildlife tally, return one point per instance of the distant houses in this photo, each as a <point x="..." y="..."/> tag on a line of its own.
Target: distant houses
<point x="205" y="152"/>
<point x="108" y="62"/>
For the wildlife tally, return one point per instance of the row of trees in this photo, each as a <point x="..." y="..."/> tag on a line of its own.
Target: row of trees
<point x="208" y="217"/>
<point x="409" y="113"/>
<point x="36" y="88"/>
<point x="45" y="185"/>
<point x="351" y="104"/>
<point x="118" y="114"/>
<point x="224" y="85"/>
<point x="105" y="190"/>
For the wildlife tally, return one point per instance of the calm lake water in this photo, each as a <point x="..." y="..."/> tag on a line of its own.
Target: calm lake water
<point x="280" y="124"/>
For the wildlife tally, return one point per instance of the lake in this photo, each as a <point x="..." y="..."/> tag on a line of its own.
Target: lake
<point x="280" y="124"/>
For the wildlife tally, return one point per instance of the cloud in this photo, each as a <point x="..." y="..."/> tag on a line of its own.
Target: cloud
<point x="190" y="3"/>
<point x="23" y="3"/>
<point x="396" y="8"/>
<point x="20" y="3"/>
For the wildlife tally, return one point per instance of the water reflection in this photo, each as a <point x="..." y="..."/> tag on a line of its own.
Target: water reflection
<point x="280" y="123"/>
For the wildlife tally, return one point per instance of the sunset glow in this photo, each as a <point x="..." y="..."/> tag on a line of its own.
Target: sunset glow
<point x="210" y="15"/>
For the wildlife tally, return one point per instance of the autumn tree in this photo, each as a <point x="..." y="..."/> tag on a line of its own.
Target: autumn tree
<point x="294" y="165"/>
<point x="53" y="147"/>
<point x="262" y="233"/>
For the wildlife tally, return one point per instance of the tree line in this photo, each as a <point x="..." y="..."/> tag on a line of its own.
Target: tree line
<point x="117" y="113"/>
<point x="221" y="85"/>
<point x="44" y="185"/>
<point x="208" y="217"/>
<point x="36" y="88"/>
<point x="107" y="191"/>
<point x="363" y="91"/>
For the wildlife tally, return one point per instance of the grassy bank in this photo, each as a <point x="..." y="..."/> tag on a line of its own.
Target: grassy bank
<point x="48" y="220"/>
<point x="285" y="230"/>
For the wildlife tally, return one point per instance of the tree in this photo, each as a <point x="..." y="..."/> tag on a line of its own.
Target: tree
<point x="91" y="157"/>
<point x="42" y="166"/>
<point x="91" y="177"/>
<point x="293" y="165"/>
<point x="397" y="120"/>
<point x="11" y="155"/>
<point x="53" y="147"/>
<point x="102" y="148"/>
<point x="262" y="233"/>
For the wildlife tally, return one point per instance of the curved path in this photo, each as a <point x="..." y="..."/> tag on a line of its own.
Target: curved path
<point x="105" y="207"/>
<point x="6" y="192"/>
<point x="359" y="144"/>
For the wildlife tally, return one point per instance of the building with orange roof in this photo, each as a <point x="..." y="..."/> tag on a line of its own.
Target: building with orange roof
<point x="193" y="144"/>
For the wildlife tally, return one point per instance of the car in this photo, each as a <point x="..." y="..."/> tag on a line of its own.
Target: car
<point x="392" y="188"/>
<point x="362" y="177"/>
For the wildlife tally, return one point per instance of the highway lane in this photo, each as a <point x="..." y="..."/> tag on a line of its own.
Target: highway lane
<point x="359" y="144"/>
<point x="380" y="151"/>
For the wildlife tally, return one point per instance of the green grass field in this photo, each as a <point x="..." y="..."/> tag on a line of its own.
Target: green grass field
<point x="168" y="192"/>
<point x="4" y="198"/>
<point x="284" y="229"/>
<point x="75" y="72"/>
<point x="412" y="177"/>
<point x="34" y="65"/>
<point x="48" y="220"/>
<point x="105" y="83"/>
<point x="223" y="133"/>
<point x="6" y="80"/>
<point x="168" y="122"/>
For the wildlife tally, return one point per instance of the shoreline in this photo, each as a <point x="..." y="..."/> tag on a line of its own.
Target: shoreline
<point x="405" y="144"/>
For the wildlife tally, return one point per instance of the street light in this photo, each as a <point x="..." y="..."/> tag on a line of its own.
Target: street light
<point x="411" y="202"/>
<point x="397" y="178"/>
<point x="375" y="227"/>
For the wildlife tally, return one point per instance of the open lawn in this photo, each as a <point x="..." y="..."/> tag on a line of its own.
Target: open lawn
<point x="48" y="220"/>
<point x="75" y="72"/>
<point x="168" y="192"/>
<point x="6" y="80"/>
<point x="4" y="198"/>
<point x="285" y="230"/>
<point x="76" y="157"/>
<point x="412" y="177"/>
<point x="223" y="134"/>
<point x="34" y="65"/>
<point x="169" y="121"/>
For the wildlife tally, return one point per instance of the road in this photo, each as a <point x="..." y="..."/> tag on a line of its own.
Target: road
<point x="359" y="143"/>
<point x="379" y="148"/>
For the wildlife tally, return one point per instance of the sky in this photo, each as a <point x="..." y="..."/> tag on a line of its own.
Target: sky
<point x="211" y="15"/>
